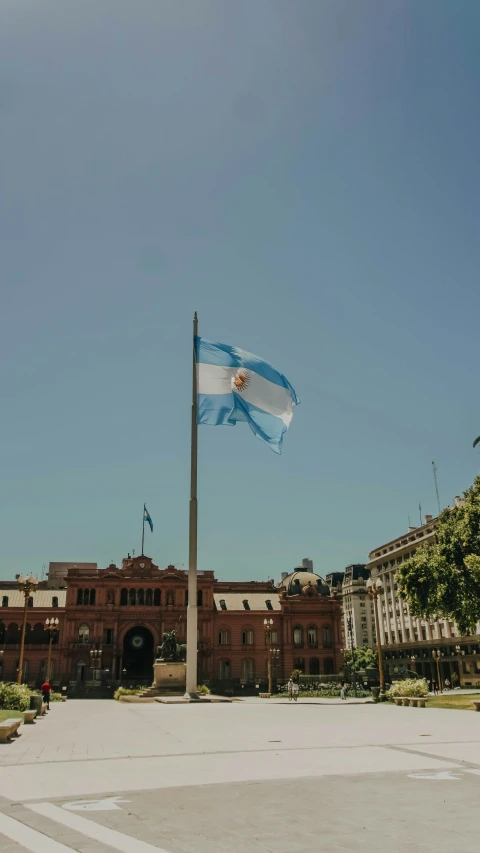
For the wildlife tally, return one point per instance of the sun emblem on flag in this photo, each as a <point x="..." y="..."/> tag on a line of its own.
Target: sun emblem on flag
<point x="241" y="380"/>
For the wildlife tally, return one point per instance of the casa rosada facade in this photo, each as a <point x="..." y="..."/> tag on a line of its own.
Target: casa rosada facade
<point x="112" y="620"/>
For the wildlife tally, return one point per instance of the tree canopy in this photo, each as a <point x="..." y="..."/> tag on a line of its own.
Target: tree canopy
<point x="365" y="658"/>
<point x="443" y="579"/>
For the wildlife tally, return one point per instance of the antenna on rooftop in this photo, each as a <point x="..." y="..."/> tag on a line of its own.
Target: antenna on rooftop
<point x="420" y="511"/>
<point x="436" y="485"/>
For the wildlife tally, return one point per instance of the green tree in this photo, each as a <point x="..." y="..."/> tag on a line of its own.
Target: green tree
<point x="365" y="658"/>
<point x="443" y="579"/>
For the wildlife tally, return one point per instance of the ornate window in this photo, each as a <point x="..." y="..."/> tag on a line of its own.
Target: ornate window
<point x="314" y="666"/>
<point x="312" y="637"/>
<point x="54" y="601"/>
<point x="141" y="597"/>
<point x="224" y="637"/>
<point x="199" y="597"/>
<point x="83" y="633"/>
<point x="328" y="666"/>
<point x="92" y="596"/>
<point x="248" y="669"/>
<point x="298" y="637"/>
<point x="124" y="597"/>
<point x="269" y="604"/>
<point x="30" y="601"/>
<point x="224" y="669"/>
<point x="132" y="597"/>
<point x="327" y="636"/>
<point x="149" y="598"/>
<point x="299" y="664"/>
<point x="170" y="598"/>
<point x="86" y="596"/>
<point x="5" y="601"/>
<point x="157" y="598"/>
<point x="247" y="637"/>
<point x="223" y="604"/>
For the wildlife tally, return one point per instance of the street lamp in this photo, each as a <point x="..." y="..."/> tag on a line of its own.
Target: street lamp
<point x="96" y="656"/>
<point x="375" y="589"/>
<point x="352" y="647"/>
<point x="413" y="658"/>
<point x="25" y="585"/>
<point x="268" y="624"/>
<point x="436" y="655"/>
<point x="51" y="625"/>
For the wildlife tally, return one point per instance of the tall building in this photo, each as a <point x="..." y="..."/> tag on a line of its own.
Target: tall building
<point x="358" y="620"/>
<point x="408" y="642"/>
<point x="123" y="611"/>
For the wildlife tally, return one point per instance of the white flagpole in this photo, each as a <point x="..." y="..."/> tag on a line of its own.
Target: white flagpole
<point x="191" y="682"/>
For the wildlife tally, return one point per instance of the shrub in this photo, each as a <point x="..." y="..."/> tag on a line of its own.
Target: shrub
<point x="14" y="697"/>
<point x="203" y="690"/>
<point x="126" y="691"/>
<point x="416" y="687"/>
<point x="55" y="697"/>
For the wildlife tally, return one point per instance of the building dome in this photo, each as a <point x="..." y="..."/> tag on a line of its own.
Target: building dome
<point x="301" y="581"/>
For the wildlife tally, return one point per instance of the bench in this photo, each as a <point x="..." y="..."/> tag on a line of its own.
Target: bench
<point x="405" y="701"/>
<point x="8" y="729"/>
<point x="264" y="695"/>
<point x="29" y="716"/>
<point x="476" y="704"/>
<point x="398" y="700"/>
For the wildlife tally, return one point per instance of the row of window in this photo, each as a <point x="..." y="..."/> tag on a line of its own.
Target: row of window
<point x="247" y="668"/>
<point x="30" y="601"/>
<point x="248" y="637"/>
<point x="246" y="604"/>
<point x="37" y="635"/>
<point x="135" y="597"/>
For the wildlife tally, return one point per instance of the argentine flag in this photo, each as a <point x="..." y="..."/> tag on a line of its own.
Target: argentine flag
<point x="234" y="385"/>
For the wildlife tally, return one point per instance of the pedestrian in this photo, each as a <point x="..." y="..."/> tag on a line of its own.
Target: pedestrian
<point x="296" y="688"/>
<point x="46" y="689"/>
<point x="343" y="690"/>
<point x="434" y="687"/>
<point x="290" y="689"/>
<point x="447" y="684"/>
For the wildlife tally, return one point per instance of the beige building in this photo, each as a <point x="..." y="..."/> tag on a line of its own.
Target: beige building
<point x="358" y="619"/>
<point x="408" y="642"/>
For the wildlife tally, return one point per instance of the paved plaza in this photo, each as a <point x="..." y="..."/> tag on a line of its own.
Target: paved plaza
<point x="245" y="777"/>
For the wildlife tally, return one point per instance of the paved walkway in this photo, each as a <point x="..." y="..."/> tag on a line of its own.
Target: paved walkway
<point x="247" y="776"/>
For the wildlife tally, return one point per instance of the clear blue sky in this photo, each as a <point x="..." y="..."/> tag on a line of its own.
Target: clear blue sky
<point x="303" y="174"/>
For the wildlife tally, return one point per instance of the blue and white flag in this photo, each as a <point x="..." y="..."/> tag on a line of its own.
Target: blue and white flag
<point x="234" y="385"/>
<point x="146" y="517"/>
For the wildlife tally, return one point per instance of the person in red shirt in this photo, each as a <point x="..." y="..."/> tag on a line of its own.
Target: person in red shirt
<point x="46" y="693"/>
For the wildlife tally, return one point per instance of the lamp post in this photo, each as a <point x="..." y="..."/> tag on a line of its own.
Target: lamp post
<point x="413" y="658"/>
<point x="25" y="585"/>
<point x="352" y="648"/>
<point x="375" y="589"/>
<point x="459" y="652"/>
<point x="436" y="655"/>
<point x="51" y="625"/>
<point x="96" y="656"/>
<point x="268" y="623"/>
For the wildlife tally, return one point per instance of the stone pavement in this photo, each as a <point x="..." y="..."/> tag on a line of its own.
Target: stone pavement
<point x="248" y="776"/>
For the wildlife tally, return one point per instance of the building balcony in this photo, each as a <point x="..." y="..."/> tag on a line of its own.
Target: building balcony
<point x="298" y="645"/>
<point x="313" y="645"/>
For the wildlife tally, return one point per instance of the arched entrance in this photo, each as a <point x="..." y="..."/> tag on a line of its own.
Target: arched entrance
<point x="138" y="655"/>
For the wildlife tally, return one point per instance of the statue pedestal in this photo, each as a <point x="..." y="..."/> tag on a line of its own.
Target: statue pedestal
<point x="170" y="676"/>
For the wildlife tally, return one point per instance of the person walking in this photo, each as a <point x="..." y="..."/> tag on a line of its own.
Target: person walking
<point x="343" y="690"/>
<point x="447" y="684"/>
<point x="290" y="689"/>
<point x="46" y="690"/>
<point x="296" y="688"/>
<point x="434" y="688"/>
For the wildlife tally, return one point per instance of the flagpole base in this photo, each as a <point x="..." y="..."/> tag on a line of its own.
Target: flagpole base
<point x="192" y="697"/>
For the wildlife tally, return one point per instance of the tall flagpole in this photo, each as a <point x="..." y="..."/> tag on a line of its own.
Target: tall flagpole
<point x="191" y="684"/>
<point x="143" y="528"/>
